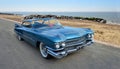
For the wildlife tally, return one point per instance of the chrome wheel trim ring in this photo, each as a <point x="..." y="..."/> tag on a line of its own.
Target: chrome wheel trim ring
<point x="43" y="50"/>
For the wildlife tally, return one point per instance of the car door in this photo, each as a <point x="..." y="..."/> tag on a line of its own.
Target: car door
<point x="28" y="33"/>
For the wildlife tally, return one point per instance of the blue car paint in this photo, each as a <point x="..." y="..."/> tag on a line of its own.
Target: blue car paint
<point x="50" y="35"/>
<point x="63" y="33"/>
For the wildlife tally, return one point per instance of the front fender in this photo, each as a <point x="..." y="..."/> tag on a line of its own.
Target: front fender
<point x="45" y="40"/>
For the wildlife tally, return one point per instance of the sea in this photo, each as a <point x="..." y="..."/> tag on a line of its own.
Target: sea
<point x="111" y="17"/>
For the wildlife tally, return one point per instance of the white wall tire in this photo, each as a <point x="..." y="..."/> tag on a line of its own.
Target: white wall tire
<point x="19" y="38"/>
<point x="43" y="51"/>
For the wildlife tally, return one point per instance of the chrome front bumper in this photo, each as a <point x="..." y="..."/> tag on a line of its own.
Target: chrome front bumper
<point x="64" y="53"/>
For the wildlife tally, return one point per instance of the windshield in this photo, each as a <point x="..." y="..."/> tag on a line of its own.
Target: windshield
<point x="43" y="23"/>
<point x="52" y="22"/>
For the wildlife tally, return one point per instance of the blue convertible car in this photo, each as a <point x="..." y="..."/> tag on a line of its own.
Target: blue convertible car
<point x="52" y="38"/>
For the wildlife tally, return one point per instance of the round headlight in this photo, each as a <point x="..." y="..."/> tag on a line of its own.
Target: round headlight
<point x="57" y="46"/>
<point x="63" y="44"/>
<point x="90" y="35"/>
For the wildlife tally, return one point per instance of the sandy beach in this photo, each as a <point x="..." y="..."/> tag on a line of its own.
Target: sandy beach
<point x="108" y="33"/>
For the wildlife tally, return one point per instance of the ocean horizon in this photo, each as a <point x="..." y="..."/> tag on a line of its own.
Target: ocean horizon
<point x="111" y="17"/>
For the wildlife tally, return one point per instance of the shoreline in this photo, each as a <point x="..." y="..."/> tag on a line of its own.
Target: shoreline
<point x="23" y="15"/>
<point x="104" y="33"/>
<point x="111" y="17"/>
<point x="107" y="22"/>
<point x="112" y="23"/>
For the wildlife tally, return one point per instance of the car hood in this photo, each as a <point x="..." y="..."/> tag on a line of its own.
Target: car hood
<point x="63" y="33"/>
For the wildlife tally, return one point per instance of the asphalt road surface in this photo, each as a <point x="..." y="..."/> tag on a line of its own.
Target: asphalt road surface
<point x="15" y="54"/>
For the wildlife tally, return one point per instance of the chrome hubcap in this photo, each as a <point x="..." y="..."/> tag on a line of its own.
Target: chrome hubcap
<point x="43" y="50"/>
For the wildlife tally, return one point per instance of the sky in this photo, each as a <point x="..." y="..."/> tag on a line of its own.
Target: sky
<point x="59" y="5"/>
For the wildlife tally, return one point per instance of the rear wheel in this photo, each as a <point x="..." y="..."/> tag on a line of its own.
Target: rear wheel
<point x="19" y="38"/>
<point x="43" y="51"/>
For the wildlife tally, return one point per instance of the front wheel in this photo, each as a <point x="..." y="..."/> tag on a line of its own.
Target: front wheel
<point x="43" y="51"/>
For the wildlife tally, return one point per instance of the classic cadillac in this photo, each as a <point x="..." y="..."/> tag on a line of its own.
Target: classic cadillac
<point x="52" y="38"/>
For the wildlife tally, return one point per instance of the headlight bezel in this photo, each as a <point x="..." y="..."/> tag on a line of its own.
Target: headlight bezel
<point x="90" y="36"/>
<point x="59" y="45"/>
<point x="63" y="44"/>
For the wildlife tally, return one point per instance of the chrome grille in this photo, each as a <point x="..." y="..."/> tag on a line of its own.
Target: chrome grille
<point x="70" y="48"/>
<point x="76" y="41"/>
